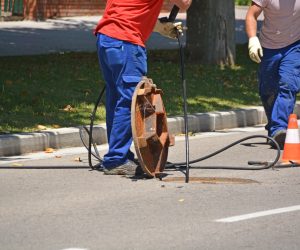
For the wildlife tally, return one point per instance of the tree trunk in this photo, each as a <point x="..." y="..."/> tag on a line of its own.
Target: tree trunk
<point x="211" y="32"/>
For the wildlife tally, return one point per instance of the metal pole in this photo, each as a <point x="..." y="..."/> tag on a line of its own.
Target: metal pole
<point x="186" y="126"/>
<point x="172" y="18"/>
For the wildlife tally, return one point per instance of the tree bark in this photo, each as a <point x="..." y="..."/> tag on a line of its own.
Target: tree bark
<point x="211" y="32"/>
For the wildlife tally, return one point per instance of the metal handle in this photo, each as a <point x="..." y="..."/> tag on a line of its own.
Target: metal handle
<point x="172" y="15"/>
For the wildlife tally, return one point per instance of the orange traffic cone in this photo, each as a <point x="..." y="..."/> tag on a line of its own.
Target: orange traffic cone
<point x="291" y="150"/>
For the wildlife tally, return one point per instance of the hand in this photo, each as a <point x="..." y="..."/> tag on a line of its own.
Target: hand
<point x="255" y="49"/>
<point x="169" y="29"/>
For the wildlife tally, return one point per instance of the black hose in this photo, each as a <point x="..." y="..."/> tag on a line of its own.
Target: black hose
<point x="90" y="134"/>
<point x="180" y="165"/>
<point x="96" y="154"/>
<point x="186" y="164"/>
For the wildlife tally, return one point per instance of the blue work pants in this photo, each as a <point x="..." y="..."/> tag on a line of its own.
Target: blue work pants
<point x="123" y="65"/>
<point x="279" y="83"/>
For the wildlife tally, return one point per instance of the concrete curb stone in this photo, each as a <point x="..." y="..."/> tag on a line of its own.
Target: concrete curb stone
<point x="18" y="144"/>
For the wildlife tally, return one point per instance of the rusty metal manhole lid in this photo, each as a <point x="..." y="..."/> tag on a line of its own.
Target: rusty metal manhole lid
<point x="149" y="128"/>
<point x="211" y="180"/>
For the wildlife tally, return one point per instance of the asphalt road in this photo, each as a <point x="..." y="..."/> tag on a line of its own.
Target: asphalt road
<point x="49" y="203"/>
<point x="58" y="209"/>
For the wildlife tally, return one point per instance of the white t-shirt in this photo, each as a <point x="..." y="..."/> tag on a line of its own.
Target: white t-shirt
<point x="281" y="26"/>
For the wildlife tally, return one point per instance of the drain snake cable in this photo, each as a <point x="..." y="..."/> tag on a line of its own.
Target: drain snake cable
<point x="260" y="165"/>
<point x="256" y="165"/>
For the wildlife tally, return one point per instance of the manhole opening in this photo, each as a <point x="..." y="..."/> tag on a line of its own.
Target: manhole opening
<point x="211" y="180"/>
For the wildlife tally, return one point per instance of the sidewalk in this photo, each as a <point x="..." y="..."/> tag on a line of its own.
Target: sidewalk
<point x="17" y="144"/>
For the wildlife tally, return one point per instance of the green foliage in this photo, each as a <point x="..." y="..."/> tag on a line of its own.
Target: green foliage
<point x="242" y="2"/>
<point x="36" y="90"/>
<point x="209" y="88"/>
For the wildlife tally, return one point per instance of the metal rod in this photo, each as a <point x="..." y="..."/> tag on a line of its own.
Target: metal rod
<point x="187" y="173"/>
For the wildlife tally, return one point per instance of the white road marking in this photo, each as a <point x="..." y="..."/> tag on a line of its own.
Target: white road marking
<point x="259" y="214"/>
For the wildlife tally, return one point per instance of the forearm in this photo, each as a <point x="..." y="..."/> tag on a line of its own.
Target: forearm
<point x="254" y="46"/>
<point x="251" y="19"/>
<point x="182" y="4"/>
<point x="251" y="26"/>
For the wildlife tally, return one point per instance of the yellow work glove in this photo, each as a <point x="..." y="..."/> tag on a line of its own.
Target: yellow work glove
<point x="168" y="29"/>
<point x="255" y="49"/>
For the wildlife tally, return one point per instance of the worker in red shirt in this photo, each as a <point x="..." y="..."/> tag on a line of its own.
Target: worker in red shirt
<point x="121" y="36"/>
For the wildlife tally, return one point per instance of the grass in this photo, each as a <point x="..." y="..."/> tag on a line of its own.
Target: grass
<point x="59" y="90"/>
<point x="242" y="2"/>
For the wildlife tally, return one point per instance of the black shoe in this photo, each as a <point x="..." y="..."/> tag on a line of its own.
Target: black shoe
<point x="98" y="166"/>
<point x="139" y="170"/>
<point x="128" y="168"/>
<point x="279" y="137"/>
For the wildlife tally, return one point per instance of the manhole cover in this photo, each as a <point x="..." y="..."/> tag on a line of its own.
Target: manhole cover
<point x="211" y="180"/>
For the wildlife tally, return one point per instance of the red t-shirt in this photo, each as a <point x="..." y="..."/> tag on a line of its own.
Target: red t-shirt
<point x="129" y="20"/>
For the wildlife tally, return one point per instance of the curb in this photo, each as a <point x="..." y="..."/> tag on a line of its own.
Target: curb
<point x="18" y="144"/>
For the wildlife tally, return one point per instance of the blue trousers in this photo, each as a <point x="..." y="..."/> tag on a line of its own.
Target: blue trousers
<point x="279" y="83"/>
<point x="123" y="65"/>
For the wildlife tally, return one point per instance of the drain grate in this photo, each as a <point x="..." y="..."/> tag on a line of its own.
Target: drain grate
<point x="211" y="180"/>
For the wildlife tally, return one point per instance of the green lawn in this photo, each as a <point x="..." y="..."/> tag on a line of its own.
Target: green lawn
<point x="242" y="2"/>
<point x="35" y="90"/>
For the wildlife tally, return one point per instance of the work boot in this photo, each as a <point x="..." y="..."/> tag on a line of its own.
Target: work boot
<point x="279" y="137"/>
<point x="127" y="168"/>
